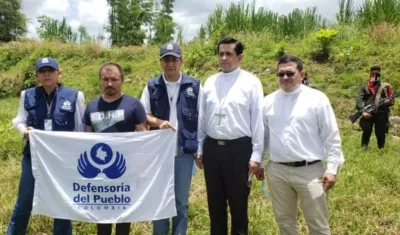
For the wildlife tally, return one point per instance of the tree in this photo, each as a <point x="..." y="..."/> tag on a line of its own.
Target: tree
<point x="52" y="29"/>
<point x="164" y="26"/>
<point x="126" y="18"/>
<point x="179" y="36"/>
<point x="83" y="34"/>
<point x="12" y="20"/>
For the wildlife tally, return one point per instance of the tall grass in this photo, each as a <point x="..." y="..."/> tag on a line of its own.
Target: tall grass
<point x="242" y="17"/>
<point x="377" y="11"/>
<point x="346" y="14"/>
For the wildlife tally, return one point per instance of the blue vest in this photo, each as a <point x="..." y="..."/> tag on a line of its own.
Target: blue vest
<point x="186" y="107"/>
<point x="62" y="111"/>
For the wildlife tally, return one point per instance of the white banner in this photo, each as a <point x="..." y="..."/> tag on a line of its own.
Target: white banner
<point x="104" y="177"/>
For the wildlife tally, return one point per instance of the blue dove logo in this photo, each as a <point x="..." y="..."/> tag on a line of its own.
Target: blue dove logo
<point x="102" y="156"/>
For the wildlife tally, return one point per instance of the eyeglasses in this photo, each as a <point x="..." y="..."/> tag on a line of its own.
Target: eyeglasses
<point x="288" y="74"/>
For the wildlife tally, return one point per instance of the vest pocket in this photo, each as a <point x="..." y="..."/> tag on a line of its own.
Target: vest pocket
<point x="61" y="121"/>
<point x="189" y="114"/>
<point x="32" y="122"/>
<point x="189" y="141"/>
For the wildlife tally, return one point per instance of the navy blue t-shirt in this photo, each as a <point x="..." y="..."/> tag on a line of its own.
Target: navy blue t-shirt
<point x="118" y="116"/>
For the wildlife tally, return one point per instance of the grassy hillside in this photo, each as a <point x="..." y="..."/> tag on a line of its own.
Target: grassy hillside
<point x="366" y="199"/>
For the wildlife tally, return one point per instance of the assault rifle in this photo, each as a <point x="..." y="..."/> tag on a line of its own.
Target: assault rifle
<point x="370" y="108"/>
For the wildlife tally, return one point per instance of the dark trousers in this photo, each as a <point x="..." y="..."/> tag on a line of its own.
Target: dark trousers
<point x="226" y="174"/>
<point x="106" y="229"/>
<point x="381" y="122"/>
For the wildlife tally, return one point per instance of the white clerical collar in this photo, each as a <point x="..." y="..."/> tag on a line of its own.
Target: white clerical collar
<point x="232" y="74"/>
<point x="177" y="82"/>
<point x="292" y="93"/>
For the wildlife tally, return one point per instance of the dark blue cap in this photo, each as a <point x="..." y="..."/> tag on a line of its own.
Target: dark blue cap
<point x="170" y="48"/>
<point x="46" y="62"/>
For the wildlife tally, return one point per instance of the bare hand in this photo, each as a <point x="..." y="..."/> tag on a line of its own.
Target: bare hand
<point x="366" y="115"/>
<point x="328" y="181"/>
<point x="167" y="125"/>
<point x="260" y="174"/>
<point x="26" y="133"/>
<point x="199" y="161"/>
<point x="253" y="167"/>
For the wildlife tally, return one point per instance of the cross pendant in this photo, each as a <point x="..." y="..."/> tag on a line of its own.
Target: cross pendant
<point x="220" y="115"/>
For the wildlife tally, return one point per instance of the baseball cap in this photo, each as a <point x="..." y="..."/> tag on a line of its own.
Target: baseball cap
<point x="46" y="62"/>
<point x="375" y="68"/>
<point x="170" y="48"/>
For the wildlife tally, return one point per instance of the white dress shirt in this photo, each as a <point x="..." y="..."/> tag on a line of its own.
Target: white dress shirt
<point x="19" y="122"/>
<point x="301" y="125"/>
<point x="231" y="108"/>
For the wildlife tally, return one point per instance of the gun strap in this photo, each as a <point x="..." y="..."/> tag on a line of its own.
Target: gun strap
<point x="378" y="95"/>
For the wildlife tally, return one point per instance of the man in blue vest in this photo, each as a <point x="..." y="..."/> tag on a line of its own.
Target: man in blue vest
<point x="171" y="101"/>
<point x="49" y="107"/>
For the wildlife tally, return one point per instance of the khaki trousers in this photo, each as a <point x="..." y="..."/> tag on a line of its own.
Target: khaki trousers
<point x="288" y="183"/>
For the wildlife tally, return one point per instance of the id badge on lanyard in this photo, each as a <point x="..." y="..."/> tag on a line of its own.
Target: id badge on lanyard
<point x="48" y="125"/>
<point x="48" y="122"/>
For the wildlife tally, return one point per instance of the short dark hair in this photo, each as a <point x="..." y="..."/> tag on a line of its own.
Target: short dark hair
<point x="119" y="67"/>
<point x="239" y="48"/>
<point x="290" y="58"/>
<point x="375" y="68"/>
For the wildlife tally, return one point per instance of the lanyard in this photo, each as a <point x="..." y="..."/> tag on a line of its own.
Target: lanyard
<point x="48" y="106"/>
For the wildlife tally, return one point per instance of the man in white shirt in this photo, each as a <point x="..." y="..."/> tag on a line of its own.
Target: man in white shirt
<point x="300" y="132"/>
<point x="230" y="138"/>
<point x="171" y="100"/>
<point x="49" y="107"/>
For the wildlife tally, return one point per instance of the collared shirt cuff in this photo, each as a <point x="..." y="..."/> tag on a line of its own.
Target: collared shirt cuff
<point x="331" y="168"/>
<point x="200" y="150"/>
<point x="22" y="128"/>
<point x="255" y="157"/>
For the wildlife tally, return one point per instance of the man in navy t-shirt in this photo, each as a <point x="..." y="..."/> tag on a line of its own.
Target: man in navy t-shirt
<point x="114" y="111"/>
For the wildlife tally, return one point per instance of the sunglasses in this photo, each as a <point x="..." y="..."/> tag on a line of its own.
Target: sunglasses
<point x="288" y="74"/>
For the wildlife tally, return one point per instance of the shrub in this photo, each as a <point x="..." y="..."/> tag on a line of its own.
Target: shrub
<point x="324" y="38"/>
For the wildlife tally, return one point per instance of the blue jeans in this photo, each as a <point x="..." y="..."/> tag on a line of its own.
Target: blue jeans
<point x="22" y="209"/>
<point x="183" y="177"/>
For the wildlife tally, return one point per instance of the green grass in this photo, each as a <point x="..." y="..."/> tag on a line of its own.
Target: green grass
<point x="366" y="198"/>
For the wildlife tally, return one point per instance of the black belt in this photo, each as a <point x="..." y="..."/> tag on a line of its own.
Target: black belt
<point x="298" y="164"/>
<point x="244" y="139"/>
